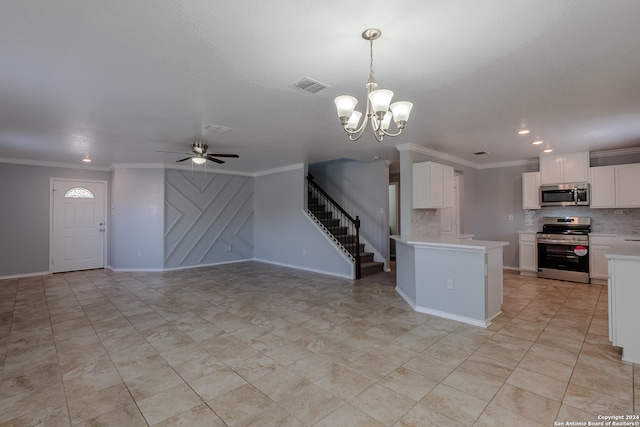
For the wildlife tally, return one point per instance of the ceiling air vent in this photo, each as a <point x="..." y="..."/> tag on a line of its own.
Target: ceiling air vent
<point x="309" y="85"/>
<point x="216" y="128"/>
<point x="480" y="153"/>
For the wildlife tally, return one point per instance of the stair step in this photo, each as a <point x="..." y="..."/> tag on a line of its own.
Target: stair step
<point x="373" y="267"/>
<point x="346" y="239"/>
<point x="366" y="257"/>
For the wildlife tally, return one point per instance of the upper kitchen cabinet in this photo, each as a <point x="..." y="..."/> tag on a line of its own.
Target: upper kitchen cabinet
<point x="531" y="190"/>
<point x="432" y="186"/>
<point x="615" y="186"/>
<point x="565" y="168"/>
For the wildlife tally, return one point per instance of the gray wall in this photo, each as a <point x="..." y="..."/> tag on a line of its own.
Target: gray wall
<point x="137" y="218"/>
<point x="208" y="218"/>
<point x="499" y="194"/>
<point x="284" y="234"/>
<point x="24" y="215"/>
<point x="362" y="190"/>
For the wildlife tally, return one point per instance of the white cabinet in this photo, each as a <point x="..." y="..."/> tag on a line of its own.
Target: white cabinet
<point x="615" y="186"/>
<point x="432" y="186"/>
<point x="598" y="264"/>
<point x="628" y="186"/>
<point x="603" y="185"/>
<point x="564" y="169"/>
<point x="528" y="253"/>
<point x="531" y="190"/>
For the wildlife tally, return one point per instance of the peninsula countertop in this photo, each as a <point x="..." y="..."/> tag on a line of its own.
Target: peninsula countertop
<point x="625" y="247"/>
<point x="448" y="241"/>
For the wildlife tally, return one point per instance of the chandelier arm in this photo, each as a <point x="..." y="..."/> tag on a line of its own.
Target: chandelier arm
<point x="392" y="134"/>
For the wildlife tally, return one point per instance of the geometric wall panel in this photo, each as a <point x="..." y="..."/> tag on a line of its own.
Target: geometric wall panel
<point x="208" y="218"/>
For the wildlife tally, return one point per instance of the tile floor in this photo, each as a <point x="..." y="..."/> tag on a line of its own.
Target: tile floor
<point x="255" y="344"/>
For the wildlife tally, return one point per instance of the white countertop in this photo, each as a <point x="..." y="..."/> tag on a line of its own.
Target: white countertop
<point x="624" y="247"/>
<point x="448" y="241"/>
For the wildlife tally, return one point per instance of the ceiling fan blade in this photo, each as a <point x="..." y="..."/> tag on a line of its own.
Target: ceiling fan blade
<point x="213" y="159"/>
<point x="182" y="160"/>
<point x="235" y="156"/>
<point x="174" y="152"/>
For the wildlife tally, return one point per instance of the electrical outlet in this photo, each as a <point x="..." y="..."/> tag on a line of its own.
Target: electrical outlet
<point x="139" y="252"/>
<point x="617" y="212"/>
<point x="449" y="283"/>
<point x="510" y="217"/>
<point x="304" y="252"/>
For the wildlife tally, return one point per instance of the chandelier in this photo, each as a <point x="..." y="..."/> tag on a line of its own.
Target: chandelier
<point x="378" y="112"/>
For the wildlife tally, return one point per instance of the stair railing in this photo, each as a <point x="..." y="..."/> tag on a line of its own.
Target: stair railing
<point x="333" y="218"/>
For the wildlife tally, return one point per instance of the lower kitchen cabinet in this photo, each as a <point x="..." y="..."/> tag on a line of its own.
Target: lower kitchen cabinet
<point x="528" y="253"/>
<point x="598" y="264"/>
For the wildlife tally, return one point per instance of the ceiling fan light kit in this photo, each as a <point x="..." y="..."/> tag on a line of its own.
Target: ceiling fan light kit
<point x="199" y="155"/>
<point x="379" y="110"/>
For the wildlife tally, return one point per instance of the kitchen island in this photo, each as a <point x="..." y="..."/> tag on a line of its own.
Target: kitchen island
<point x="450" y="276"/>
<point x="624" y="295"/>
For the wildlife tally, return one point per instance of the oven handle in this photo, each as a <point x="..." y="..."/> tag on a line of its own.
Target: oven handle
<point x="562" y="242"/>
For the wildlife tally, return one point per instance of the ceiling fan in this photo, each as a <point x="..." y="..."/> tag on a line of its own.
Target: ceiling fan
<point x="199" y="154"/>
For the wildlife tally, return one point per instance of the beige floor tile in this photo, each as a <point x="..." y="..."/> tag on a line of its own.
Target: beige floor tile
<point x="596" y="402"/>
<point x="420" y="416"/>
<point x="347" y="415"/>
<point x="168" y="403"/>
<point x="408" y="383"/>
<point x="473" y="383"/>
<point x="546" y="367"/>
<point x="68" y="340"/>
<point x="538" y="383"/>
<point x="217" y="383"/>
<point x="280" y="383"/>
<point x="382" y="404"/>
<point x="343" y="382"/>
<point x="198" y="416"/>
<point x="310" y="404"/>
<point x="454" y="404"/>
<point x="570" y="413"/>
<point x="527" y="404"/>
<point x="495" y="416"/>
<point x="430" y="367"/>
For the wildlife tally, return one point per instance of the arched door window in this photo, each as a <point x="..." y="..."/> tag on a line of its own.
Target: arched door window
<point x="78" y="193"/>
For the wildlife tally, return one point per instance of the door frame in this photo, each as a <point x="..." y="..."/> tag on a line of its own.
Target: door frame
<point x="106" y="220"/>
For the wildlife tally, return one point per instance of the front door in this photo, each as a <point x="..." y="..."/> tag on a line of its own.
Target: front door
<point x="77" y="225"/>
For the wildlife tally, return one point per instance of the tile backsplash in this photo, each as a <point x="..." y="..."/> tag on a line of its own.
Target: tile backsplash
<point x="602" y="220"/>
<point x="424" y="221"/>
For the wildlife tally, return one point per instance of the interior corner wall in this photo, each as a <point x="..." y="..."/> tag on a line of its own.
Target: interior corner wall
<point x="136" y="214"/>
<point x="361" y="188"/>
<point x="283" y="233"/>
<point x="499" y="191"/>
<point x="24" y="214"/>
<point x="209" y="218"/>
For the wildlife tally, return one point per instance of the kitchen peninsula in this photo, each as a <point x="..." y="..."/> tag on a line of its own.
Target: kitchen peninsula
<point x="451" y="276"/>
<point x="624" y="295"/>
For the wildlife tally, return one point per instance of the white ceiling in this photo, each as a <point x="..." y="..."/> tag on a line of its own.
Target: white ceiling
<point x="118" y="80"/>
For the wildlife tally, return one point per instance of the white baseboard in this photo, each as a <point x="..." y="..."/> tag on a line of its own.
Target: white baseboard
<point x="298" y="267"/>
<point x="443" y="314"/>
<point x="18" y="276"/>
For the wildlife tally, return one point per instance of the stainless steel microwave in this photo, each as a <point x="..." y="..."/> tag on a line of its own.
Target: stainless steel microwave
<point x="565" y="194"/>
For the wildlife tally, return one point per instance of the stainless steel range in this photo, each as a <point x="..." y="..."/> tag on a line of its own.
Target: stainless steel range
<point x="563" y="249"/>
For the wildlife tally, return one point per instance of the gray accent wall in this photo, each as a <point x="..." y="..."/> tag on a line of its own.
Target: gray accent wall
<point x="362" y="190"/>
<point x="24" y="214"/>
<point x="209" y="218"/>
<point x="137" y="218"/>
<point x="284" y="234"/>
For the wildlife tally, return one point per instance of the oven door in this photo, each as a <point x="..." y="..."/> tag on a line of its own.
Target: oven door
<point x="563" y="256"/>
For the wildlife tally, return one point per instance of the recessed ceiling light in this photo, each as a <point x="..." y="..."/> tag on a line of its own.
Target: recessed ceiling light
<point x="537" y="142"/>
<point x="524" y="132"/>
<point x="86" y="160"/>
<point x="547" y="150"/>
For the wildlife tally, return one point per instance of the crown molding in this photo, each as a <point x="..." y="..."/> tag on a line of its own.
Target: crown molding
<point x="287" y="168"/>
<point x="84" y="166"/>
<point x="424" y="150"/>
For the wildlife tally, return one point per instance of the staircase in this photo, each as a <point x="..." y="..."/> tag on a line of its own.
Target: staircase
<point x="345" y="236"/>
